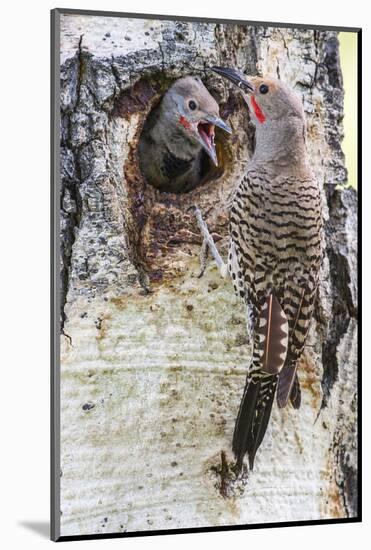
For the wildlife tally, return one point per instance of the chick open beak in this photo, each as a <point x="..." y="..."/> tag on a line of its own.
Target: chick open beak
<point x="235" y="76"/>
<point x="206" y="132"/>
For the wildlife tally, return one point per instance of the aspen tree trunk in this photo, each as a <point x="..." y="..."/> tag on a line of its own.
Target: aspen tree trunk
<point x="154" y="359"/>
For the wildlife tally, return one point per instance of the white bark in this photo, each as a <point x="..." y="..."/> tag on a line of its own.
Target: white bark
<point x="151" y="383"/>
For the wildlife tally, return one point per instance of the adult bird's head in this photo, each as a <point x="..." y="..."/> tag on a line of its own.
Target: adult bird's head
<point x="269" y="99"/>
<point x="278" y="115"/>
<point x="189" y="105"/>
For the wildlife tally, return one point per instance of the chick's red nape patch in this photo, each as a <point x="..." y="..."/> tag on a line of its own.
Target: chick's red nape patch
<point x="184" y="122"/>
<point x="257" y="110"/>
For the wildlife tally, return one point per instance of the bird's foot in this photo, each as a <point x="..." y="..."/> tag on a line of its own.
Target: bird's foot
<point x="208" y="245"/>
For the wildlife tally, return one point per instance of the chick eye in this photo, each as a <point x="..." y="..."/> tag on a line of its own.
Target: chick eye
<point x="192" y="105"/>
<point x="263" y="89"/>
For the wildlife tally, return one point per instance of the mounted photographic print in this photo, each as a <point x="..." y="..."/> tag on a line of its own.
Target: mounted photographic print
<point x="205" y="185"/>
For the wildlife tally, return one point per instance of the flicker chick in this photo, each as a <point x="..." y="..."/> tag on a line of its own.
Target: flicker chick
<point x="177" y="135"/>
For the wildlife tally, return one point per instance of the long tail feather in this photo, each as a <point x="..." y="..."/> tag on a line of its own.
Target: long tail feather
<point x="253" y="418"/>
<point x="272" y="336"/>
<point x="244" y="421"/>
<point x="269" y="355"/>
<point x="288" y="385"/>
<point x="260" y="426"/>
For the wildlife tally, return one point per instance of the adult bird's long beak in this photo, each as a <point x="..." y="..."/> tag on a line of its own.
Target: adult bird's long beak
<point x="219" y="123"/>
<point x="235" y="76"/>
<point x="206" y="132"/>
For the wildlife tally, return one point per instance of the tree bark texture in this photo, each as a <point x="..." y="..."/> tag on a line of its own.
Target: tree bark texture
<point x="154" y="359"/>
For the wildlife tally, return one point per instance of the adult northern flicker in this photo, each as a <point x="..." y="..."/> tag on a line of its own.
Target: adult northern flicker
<point x="177" y="134"/>
<point x="275" y="253"/>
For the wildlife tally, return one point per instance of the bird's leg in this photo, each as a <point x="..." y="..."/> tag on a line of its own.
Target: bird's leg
<point x="208" y="244"/>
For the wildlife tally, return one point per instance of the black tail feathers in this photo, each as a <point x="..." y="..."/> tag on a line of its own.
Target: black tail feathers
<point x="253" y="418"/>
<point x="288" y="387"/>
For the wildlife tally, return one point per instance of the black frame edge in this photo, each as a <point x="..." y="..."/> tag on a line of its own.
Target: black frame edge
<point x="208" y="529"/>
<point x="54" y="287"/>
<point x="102" y="13"/>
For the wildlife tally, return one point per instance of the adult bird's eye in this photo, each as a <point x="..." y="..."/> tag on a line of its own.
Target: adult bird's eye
<point x="263" y="89"/>
<point x="192" y="105"/>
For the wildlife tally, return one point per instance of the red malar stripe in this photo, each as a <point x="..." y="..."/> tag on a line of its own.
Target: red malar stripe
<point x="184" y="122"/>
<point x="258" y="112"/>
